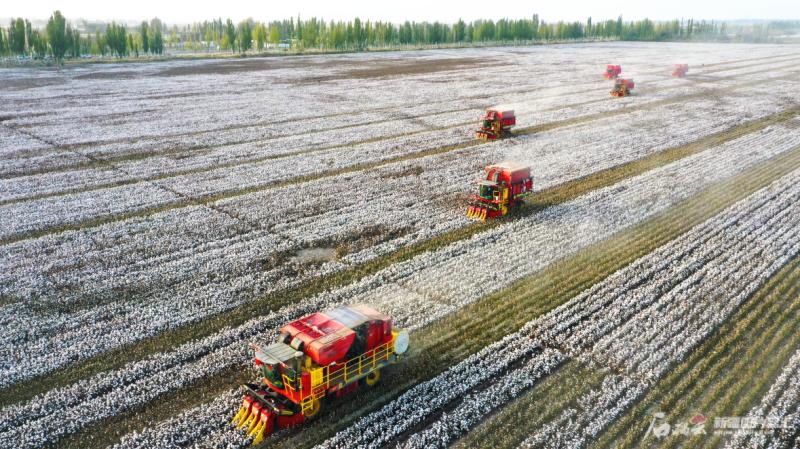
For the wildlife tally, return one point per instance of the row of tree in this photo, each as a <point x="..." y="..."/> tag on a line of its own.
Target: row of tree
<point x="60" y="39"/>
<point x="357" y="35"/>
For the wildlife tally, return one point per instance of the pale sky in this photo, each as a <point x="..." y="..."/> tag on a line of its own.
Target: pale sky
<point x="397" y="11"/>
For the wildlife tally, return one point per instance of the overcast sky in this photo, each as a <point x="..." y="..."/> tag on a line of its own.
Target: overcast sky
<point x="442" y="10"/>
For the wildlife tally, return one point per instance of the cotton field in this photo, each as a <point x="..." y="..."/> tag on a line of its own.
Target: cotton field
<point x="157" y="218"/>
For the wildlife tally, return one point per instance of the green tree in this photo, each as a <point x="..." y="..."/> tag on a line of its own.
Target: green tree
<point x="274" y="35"/>
<point x="69" y="37"/>
<point x="16" y="36"/>
<point x="310" y="34"/>
<point x="57" y="35"/>
<point x="145" y="33"/>
<point x="260" y="36"/>
<point x="117" y="39"/>
<point x="157" y="46"/>
<point x="459" y="30"/>
<point x="133" y="45"/>
<point x="229" y="38"/>
<point x="99" y="46"/>
<point x="244" y="33"/>
<point x="37" y="43"/>
<point x="76" y="47"/>
<point x="155" y="36"/>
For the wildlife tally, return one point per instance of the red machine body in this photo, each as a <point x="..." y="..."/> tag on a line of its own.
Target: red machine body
<point x="680" y="70"/>
<point x="622" y="87"/>
<point x="327" y="337"/>
<point x="612" y="71"/>
<point x="495" y="124"/>
<point x="505" y="186"/>
<point x="322" y="354"/>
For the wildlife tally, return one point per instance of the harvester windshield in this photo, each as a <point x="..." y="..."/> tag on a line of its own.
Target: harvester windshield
<point x="487" y="189"/>
<point x="279" y="363"/>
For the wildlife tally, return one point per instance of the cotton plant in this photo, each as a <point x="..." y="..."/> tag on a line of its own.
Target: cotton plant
<point x="617" y="392"/>
<point x="150" y="384"/>
<point x="221" y="247"/>
<point x="777" y="404"/>
<point x="388" y="209"/>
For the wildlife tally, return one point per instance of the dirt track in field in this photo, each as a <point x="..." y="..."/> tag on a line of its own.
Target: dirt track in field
<point x="356" y="68"/>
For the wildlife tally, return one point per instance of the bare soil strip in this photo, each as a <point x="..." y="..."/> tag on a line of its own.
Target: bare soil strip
<point x="507" y="311"/>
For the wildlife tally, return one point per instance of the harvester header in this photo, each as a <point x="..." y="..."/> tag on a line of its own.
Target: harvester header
<point x="505" y="186"/>
<point x="320" y="355"/>
<point x="496" y="123"/>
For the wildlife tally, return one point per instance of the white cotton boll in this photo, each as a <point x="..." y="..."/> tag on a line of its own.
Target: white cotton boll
<point x="189" y="263"/>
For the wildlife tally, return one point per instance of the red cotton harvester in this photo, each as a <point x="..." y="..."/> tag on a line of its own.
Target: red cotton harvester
<point x="321" y="355"/>
<point x="622" y="87"/>
<point x="496" y="124"/>
<point x="612" y="71"/>
<point x="505" y="186"/>
<point x="680" y="70"/>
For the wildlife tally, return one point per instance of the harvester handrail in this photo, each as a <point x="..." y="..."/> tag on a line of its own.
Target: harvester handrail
<point x="344" y="373"/>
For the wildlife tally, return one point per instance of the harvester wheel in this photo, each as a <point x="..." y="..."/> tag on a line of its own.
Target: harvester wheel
<point x="373" y="378"/>
<point x="316" y="406"/>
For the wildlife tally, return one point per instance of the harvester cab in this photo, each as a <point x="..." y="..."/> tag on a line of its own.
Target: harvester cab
<point x="622" y="87"/>
<point x="505" y="186"/>
<point x="495" y="124"/>
<point x="612" y="71"/>
<point x="680" y="70"/>
<point x="324" y="354"/>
